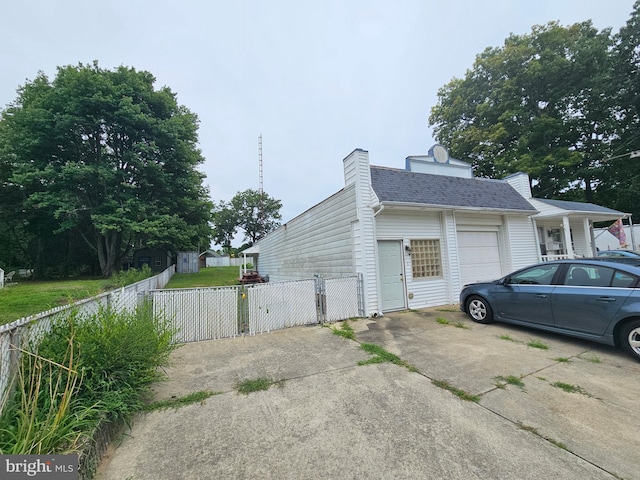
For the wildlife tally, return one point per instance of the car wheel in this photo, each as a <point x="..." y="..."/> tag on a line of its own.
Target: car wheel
<point x="630" y="338"/>
<point x="479" y="310"/>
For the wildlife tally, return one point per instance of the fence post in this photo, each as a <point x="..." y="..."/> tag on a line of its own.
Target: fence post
<point x="360" y="281"/>
<point x="321" y="299"/>
<point x="243" y="310"/>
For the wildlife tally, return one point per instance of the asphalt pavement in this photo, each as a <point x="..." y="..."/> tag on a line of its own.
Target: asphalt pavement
<point x="567" y="411"/>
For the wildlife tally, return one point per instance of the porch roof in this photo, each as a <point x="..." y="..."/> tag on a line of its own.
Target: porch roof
<point x="557" y="208"/>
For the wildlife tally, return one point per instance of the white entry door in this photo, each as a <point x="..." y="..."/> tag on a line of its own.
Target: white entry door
<point x="479" y="256"/>
<point x="391" y="275"/>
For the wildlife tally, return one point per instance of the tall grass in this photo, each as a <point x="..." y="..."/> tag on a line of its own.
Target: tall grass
<point x="43" y="416"/>
<point x="87" y="369"/>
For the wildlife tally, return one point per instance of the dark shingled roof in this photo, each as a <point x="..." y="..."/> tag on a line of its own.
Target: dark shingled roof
<point x="394" y="185"/>
<point x="579" y="206"/>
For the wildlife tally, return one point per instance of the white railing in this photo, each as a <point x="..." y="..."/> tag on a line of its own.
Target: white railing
<point x="550" y="258"/>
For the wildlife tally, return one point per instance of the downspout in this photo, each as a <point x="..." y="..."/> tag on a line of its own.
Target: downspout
<point x="375" y="214"/>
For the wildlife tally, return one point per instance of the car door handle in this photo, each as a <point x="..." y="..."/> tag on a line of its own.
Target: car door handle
<point x="606" y="299"/>
<point x="541" y="295"/>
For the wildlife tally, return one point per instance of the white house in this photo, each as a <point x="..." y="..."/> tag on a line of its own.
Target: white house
<point x="418" y="234"/>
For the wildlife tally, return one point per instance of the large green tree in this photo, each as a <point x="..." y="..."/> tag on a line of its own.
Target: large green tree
<point x="225" y="225"/>
<point x="103" y="156"/>
<point x="256" y="213"/>
<point x="539" y="104"/>
<point x="621" y="177"/>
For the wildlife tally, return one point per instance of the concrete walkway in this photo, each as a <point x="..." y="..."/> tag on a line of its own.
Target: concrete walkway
<point x="333" y="419"/>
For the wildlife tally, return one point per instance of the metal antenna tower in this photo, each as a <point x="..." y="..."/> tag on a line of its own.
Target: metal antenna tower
<point x="260" y="190"/>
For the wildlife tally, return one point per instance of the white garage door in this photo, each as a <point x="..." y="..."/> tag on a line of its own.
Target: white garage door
<point x="479" y="256"/>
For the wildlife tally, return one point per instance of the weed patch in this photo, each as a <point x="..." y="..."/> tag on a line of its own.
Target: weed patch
<point x="380" y="355"/>
<point x="538" y="344"/>
<point x="262" y="383"/>
<point x="444" y="321"/>
<point x="177" y="402"/>
<point x="506" y="337"/>
<point x="593" y="358"/>
<point x="461" y="394"/>
<point x="510" y="380"/>
<point x="562" y="360"/>
<point x="345" y="330"/>
<point x="533" y="430"/>
<point x="570" y="388"/>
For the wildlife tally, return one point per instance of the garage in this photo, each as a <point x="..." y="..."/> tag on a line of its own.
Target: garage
<point x="479" y="256"/>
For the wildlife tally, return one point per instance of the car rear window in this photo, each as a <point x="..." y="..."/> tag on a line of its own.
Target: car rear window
<point x="598" y="276"/>
<point x="624" y="280"/>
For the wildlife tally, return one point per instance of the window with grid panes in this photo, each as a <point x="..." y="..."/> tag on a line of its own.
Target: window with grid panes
<point x="425" y="258"/>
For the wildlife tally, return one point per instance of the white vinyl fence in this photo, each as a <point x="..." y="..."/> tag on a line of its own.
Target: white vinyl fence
<point x="203" y="313"/>
<point x="29" y="329"/>
<point x="222" y="312"/>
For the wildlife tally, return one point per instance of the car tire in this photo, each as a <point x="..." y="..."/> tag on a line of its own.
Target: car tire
<point x="629" y="338"/>
<point x="479" y="309"/>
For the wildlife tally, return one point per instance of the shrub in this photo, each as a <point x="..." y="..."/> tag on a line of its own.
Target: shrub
<point x="127" y="277"/>
<point x="104" y="365"/>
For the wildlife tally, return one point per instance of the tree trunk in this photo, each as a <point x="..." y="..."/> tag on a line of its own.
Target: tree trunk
<point x="108" y="247"/>
<point x="588" y="190"/>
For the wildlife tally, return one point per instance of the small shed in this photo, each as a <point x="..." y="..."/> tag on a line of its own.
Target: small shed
<point x="158" y="260"/>
<point x="188" y="262"/>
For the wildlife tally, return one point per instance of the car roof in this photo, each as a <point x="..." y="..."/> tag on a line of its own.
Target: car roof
<point x="619" y="251"/>
<point x="631" y="268"/>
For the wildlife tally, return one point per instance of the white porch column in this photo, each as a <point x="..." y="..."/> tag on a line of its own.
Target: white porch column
<point x="537" y="237"/>
<point x="566" y="237"/>
<point x="588" y="234"/>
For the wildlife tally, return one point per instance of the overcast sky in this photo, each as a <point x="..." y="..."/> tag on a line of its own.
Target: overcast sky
<point x="316" y="78"/>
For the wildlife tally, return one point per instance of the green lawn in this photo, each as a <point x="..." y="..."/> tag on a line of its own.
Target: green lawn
<point x="206" y="277"/>
<point x="28" y="298"/>
<point x="24" y="298"/>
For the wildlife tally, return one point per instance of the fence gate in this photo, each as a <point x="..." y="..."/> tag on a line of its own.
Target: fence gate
<point x="223" y="312"/>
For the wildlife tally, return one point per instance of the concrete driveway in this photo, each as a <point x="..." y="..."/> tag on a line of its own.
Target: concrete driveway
<point x="565" y="412"/>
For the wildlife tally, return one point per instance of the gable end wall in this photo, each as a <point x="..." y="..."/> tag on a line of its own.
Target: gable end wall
<point x="319" y="241"/>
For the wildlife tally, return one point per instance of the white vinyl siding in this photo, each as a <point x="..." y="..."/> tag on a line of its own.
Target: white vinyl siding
<point x="521" y="243"/>
<point x="320" y="241"/>
<point x="422" y="292"/>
